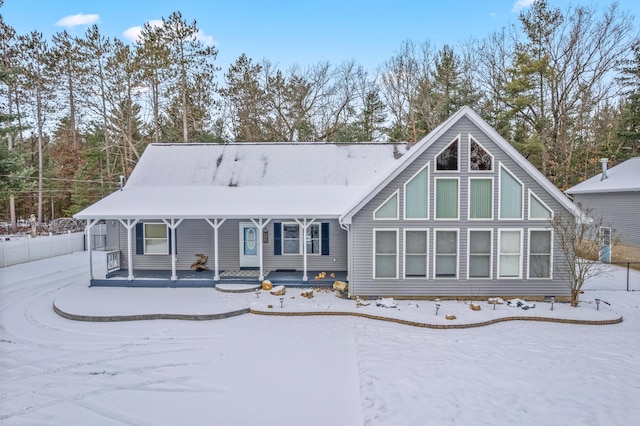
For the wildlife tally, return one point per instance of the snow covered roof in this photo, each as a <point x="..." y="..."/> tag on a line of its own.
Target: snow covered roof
<point x="247" y="179"/>
<point x="621" y="178"/>
<point x="434" y="135"/>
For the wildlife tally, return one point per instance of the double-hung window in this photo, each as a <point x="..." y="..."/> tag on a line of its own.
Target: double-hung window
<point x="386" y="253"/>
<point x="156" y="238"/>
<point x="290" y="238"/>
<point x="446" y="263"/>
<point x="480" y="243"/>
<point x="510" y="260"/>
<point x="415" y="253"/>
<point x="540" y="243"/>
<point x="313" y="239"/>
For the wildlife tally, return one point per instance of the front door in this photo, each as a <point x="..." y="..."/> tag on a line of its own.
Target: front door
<point x="249" y="246"/>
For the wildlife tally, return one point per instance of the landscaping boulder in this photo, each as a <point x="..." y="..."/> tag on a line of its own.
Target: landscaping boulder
<point x="266" y="285"/>
<point x="278" y="290"/>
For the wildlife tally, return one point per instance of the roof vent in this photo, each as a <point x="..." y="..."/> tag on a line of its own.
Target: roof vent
<point x="604" y="168"/>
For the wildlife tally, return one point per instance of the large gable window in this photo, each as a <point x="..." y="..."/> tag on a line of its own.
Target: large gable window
<point x="388" y="209"/>
<point x="415" y="253"/>
<point x="446" y="198"/>
<point x="480" y="253"/>
<point x="540" y="253"/>
<point x="156" y="238"/>
<point x="510" y="260"/>
<point x="386" y="253"/>
<point x="446" y="254"/>
<point x="447" y="159"/>
<point x="537" y="209"/>
<point x="480" y="198"/>
<point x="416" y="195"/>
<point x="479" y="158"/>
<point x="511" y="194"/>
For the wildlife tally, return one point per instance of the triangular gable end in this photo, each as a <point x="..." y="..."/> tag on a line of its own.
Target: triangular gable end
<point x="420" y="147"/>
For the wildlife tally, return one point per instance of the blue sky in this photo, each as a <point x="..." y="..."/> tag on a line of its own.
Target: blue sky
<point x="287" y="32"/>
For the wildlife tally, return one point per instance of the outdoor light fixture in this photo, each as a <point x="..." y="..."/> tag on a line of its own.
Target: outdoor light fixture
<point x="281" y="301"/>
<point x="437" y="305"/>
<point x="553" y="299"/>
<point x="597" y="304"/>
<point x="257" y="293"/>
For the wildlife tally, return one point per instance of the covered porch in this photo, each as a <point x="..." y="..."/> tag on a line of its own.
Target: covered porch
<point x="197" y="279"/>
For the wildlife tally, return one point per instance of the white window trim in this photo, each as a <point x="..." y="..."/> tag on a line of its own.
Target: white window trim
<point x="493" y="198"/>
<point x="397" y="194"/>
<point x="435" y="199"/>
<point x="404" y="254"/>
<point x="404" y="201"/>
<point x="550" y="277"/>
<point x="532" y="194"/>
<point x="500" y="194"/>
<point x="490" y="253"/>
<point x="396" y="230"/>
<point x="282" y="239"/>
<point x="435" y="253"/>
<point x="499" y="252"/>
<point x="435" y="158"/>
<point x="144" y="239"/>
<point x="493" y="160"/>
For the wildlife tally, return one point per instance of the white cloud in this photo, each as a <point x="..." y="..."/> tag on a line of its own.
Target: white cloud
<point x="522" y="4"/>
<point x="133" y="33"/>
<point x="77" y="20"/>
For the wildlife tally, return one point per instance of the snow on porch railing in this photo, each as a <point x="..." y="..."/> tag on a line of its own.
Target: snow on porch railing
<point x="21" y="249"/>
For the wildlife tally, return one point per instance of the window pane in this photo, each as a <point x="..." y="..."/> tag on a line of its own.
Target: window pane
<point x="540" y="242"/>
<point x="539" y="266"/>
<point x="389" y="210"/>
<point x="313" y="239"/>
<point x="416" y="196"/>
<point x="416" y="266"/>
<point x="538" y="211"/>
<point x="480" y="242"/>
<point x="481" y="200"/>
<point x="510" y="265"/>
<point x="479" y="266"/>
<point x="290" y="239"/>
<point x="154" y="246"/>
<point x="385" y="242"/>
<point x="448" y="158"/>
<point x="510" y="242"/>
<point x="155" y="230"/>
<point x="290" y="231"/>
<point x="479" y="159"/>
<point x="416" y="242"/>
<point x="540" y="254"/>
<point x="446" y="266"/>
<point x="510" y="196"/>
<point x="446" y="198"/>
<point x="385" y="266"/>
<point x="446" y="242"/>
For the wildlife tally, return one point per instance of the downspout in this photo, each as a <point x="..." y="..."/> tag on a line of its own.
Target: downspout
<point x="347" y="227"/>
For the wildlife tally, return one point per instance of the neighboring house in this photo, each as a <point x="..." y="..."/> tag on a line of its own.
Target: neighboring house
<point x="461" y="213"/>
<point x="614" y="197"/>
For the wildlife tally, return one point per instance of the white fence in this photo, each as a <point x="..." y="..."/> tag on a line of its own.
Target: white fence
<point x="14" y="250"/>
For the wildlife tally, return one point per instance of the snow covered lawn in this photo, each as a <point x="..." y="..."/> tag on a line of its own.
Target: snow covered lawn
<point x="317" y="370"/>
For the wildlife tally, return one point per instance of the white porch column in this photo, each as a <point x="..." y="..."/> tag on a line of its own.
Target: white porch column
<point x="260" y="224"/>
<point x="129" y="225"/>
<point x="304" y="224"/>
<point x="172" y="224"/>
<point x="216" y="224"/>
<point x="90" y="224"/>
<point x="347" y="227"/>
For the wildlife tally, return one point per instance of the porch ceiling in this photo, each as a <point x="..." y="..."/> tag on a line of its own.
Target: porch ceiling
<point x="198" y="202"/>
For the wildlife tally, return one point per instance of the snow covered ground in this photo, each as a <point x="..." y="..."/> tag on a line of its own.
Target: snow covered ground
<point x="340" y="370"/>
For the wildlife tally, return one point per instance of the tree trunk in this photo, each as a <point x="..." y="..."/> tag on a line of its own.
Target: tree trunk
<point x="575" y="295"/>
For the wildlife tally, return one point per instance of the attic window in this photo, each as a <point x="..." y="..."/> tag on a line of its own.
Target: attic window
<point x="447" y="159"/>
<point x="479" y="158"/>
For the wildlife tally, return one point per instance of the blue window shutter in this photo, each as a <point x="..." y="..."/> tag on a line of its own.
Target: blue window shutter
<point x="324" y="231"/>
<point x="139" y="238"/>
<point x="277" y="238"/>
<point x="170" y="241"/>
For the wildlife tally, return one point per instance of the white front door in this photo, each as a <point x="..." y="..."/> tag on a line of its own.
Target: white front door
<point x="249" y="246"/>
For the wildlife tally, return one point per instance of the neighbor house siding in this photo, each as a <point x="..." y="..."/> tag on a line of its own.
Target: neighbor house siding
<point x="363" y="225"/>
<point x="619" y="210"/>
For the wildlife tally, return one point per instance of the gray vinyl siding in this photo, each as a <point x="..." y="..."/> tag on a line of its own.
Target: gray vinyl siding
<point x="363" y="225"/>
<point x="196" y="236"/>
<point x="619" y="210"/>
